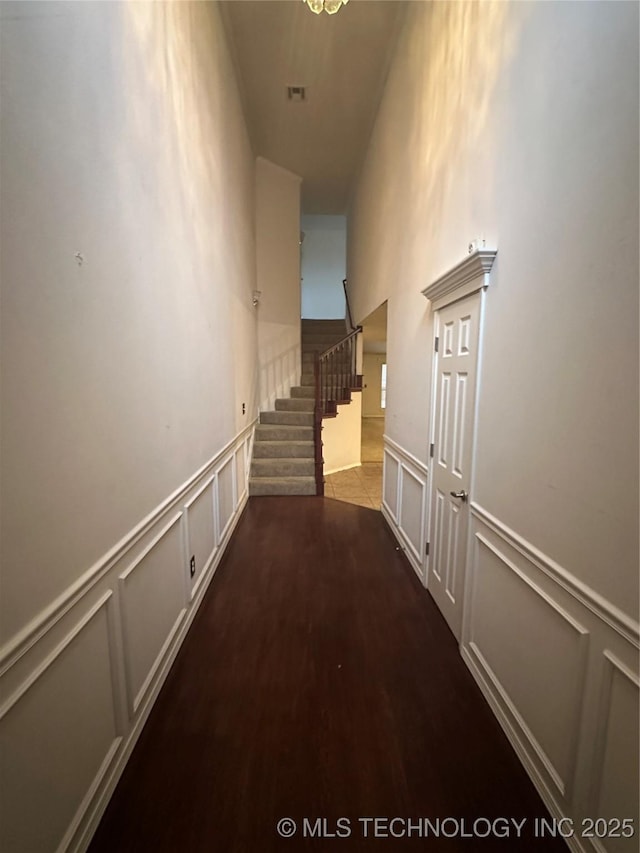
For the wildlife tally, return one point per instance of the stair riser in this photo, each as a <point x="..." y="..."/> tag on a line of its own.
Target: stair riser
<point x="308" y="381"/>
<point x="282" y="468"/>
<point x="305" y="486"/>
<point x="287" y="418"/>
<point x="270" y="432"/>
<point x="311" y="346"/>
<point x="324" y="326"/>
<point x="331" y="376"/>
<point x="295" y="404"/>
<point x="321" y="340"/>
<point x="280" y="449"/>
<point x="308" y="348"/>
<point x="302" y="391"/>
<point x="335" y="335"/>
<point x="308" y="359"/>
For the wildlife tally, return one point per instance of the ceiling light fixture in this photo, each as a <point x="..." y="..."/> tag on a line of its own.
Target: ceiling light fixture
<point x="328" y="6"/>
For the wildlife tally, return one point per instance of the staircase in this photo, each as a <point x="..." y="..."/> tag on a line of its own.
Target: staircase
<point x="283" y="449"/>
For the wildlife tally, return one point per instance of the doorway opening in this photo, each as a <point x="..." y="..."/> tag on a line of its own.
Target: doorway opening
<point x="374" y="399"/>
<point x="374" y="383"/>
<point x="362" y="484"/>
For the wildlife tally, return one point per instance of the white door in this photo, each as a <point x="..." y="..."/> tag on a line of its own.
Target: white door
<point x="457" y="330"/>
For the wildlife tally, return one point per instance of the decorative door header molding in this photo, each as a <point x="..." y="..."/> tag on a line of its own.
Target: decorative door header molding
<point x="464" y="278"/>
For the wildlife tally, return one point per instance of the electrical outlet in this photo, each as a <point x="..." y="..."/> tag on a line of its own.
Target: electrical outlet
<point x="192" y="565"/>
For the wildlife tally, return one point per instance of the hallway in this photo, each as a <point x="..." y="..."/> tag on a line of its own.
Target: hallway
<point x="161" y="164"/>
<point x="318" y="680"/>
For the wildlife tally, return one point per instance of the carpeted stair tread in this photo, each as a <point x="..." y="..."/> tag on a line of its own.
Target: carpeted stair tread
<point x="303" y="391"/>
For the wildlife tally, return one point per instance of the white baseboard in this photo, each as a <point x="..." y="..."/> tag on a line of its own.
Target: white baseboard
<point x="402" y="541"/>
<point x="343" y="468"/>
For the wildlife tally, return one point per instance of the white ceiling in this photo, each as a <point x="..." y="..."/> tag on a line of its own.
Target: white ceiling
<point x="341" y="59"/>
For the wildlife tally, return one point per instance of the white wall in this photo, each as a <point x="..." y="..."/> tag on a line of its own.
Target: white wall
<point x="507" y="121"/>
<point x="278" y="276"/>
<point x="129" y="345"/>
<point x="324" y="261"/>
<point x="342" y="437"/>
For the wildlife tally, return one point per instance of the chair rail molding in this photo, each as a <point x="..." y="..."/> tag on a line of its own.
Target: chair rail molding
<point x="620" y="622"/>
<point x="79" y="681"/>
<point x="576" y="646"/>
<point x="461" y="280"/>
<point x="17" y="646"/>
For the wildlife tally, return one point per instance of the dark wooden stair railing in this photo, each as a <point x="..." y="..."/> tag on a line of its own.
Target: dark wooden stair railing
<point x="336" y="376"/>
<point x="348" y="304"/>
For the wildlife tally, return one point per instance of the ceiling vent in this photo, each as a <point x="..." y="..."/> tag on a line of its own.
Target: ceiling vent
<point x="296" y="93"/>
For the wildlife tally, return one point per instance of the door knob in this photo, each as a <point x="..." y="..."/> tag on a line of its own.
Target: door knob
<point x="462" y="495"/>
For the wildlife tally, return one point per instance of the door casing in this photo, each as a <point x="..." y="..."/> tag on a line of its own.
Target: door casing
<point x="469" y="277"/>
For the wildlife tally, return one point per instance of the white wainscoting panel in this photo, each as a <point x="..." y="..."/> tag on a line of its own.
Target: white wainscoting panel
<point x="226" y="496"/>
<point x="537" y="662"/>
<point x="558" y="665"/>
<point x="152" y="603"/>
<point x="200" y="533"/>
<point x="241" y="467"/>
<point x="59" y="733"/>
<point x="616" y="791"/>
<point x="412" y="504"/>
<point x="78" y="683"/>
<point x="404" y="501"/>
<point x="390" y="472"/>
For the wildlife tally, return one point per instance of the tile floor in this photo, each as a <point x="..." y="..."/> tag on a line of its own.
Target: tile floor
<point x="372" y="444"/>
<point x="361" y="485"/>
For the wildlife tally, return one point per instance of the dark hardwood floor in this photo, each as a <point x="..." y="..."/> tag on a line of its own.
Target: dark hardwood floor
<point x="318" y="680"/>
